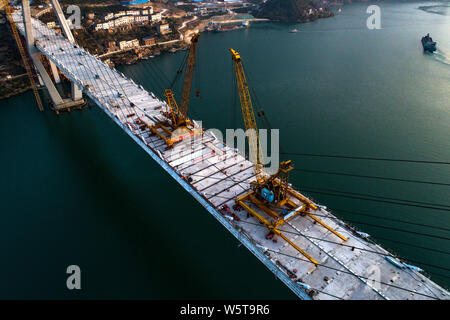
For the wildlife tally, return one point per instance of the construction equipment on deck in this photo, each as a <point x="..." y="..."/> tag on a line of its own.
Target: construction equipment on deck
<point x="271" y="194"/>
<point x="179" y="127"/>
<point x="25" y="60"/>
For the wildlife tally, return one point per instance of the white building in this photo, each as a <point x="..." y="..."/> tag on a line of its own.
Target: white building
<point x="109" y="16"/>
<point x="140" y="19"/>
<point x="120" y="14"/>
<point x="133" y="13"/>
<point x="147" y="11"/>
<point x="164" y="28"/>
<point x="127" y="17"/>
<point x="123" y="21"/>
<point x="156" y="17"/>
<point x="128" y="44"/>
<point x="105" y="25"/>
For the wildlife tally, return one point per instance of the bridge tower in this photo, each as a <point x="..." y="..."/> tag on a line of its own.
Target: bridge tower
<point x="58" y="103"/>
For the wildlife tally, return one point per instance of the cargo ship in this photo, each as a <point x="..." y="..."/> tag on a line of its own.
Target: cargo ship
<point x="428" y="43"/>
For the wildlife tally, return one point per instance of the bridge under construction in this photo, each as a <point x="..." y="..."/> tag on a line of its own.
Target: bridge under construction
<point x="314" y="253"/>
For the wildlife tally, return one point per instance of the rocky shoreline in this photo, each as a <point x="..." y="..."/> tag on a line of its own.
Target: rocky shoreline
<point x="11" y="67"/>
<point x="133" y="56"/>
<point x="10" y="88"/>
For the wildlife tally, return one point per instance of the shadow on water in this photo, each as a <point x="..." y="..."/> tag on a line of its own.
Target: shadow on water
<point x="126" y="210"/>
<point x="161" y="244"/>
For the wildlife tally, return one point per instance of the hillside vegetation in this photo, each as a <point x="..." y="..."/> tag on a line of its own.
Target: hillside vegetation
<point x="292" y="11"/>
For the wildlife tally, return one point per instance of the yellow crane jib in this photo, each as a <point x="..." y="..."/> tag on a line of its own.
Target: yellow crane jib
<point x="188" y="75"/>
<point x="255" y="151"/>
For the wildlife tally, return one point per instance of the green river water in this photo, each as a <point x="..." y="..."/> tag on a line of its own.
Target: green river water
<point x="75" y="189"/>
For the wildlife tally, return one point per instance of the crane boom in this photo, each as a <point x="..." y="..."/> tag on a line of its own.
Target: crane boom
<point x="179" y="127"/>
<point x="248" y="114"/>
<point x="188" y="75"/>
<point x="174" y="113"/>
<point x="178" y="114"/>
<point x="23" y="54"/>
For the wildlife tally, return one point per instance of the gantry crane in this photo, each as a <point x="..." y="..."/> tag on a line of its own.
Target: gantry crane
<point x="179" y="126"/>
<point x="272" y="194"/>
<point x="25" y="60"/>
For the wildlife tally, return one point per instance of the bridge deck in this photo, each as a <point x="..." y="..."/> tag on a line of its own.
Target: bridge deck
<point x="219" y="174"/>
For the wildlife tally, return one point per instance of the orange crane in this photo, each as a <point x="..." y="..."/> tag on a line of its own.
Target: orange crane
<point x="276" y="185"/>
<point x="271" y="194"/>
<point x="25" y="60"/>
<point x="179" y="127"/>
<point x="179" y="114"/>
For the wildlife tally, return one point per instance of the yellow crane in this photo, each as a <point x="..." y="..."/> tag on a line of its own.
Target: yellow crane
<point x="23" y="54"/>
<point x="279" y="183"/>
<point x="271" y="194"/>
<point x="180" y="126"/>
<point x="248" y="115"/>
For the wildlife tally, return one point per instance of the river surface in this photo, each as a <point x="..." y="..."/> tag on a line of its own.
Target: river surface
<point x="77" y="190"/>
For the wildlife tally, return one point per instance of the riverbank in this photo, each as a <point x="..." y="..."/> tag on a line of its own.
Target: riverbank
<point x="12" y="72"/>
<point x="13" y="87"/>
<point x="96" y="42"/>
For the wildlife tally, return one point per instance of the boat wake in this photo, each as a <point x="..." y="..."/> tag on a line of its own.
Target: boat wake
<point x="441" y="56"/>
<point x="442" y="10"/>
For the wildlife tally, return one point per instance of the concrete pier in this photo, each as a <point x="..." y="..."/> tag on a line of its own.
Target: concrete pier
<point x="58" y="103"/>
<point x="55" y="72"/>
